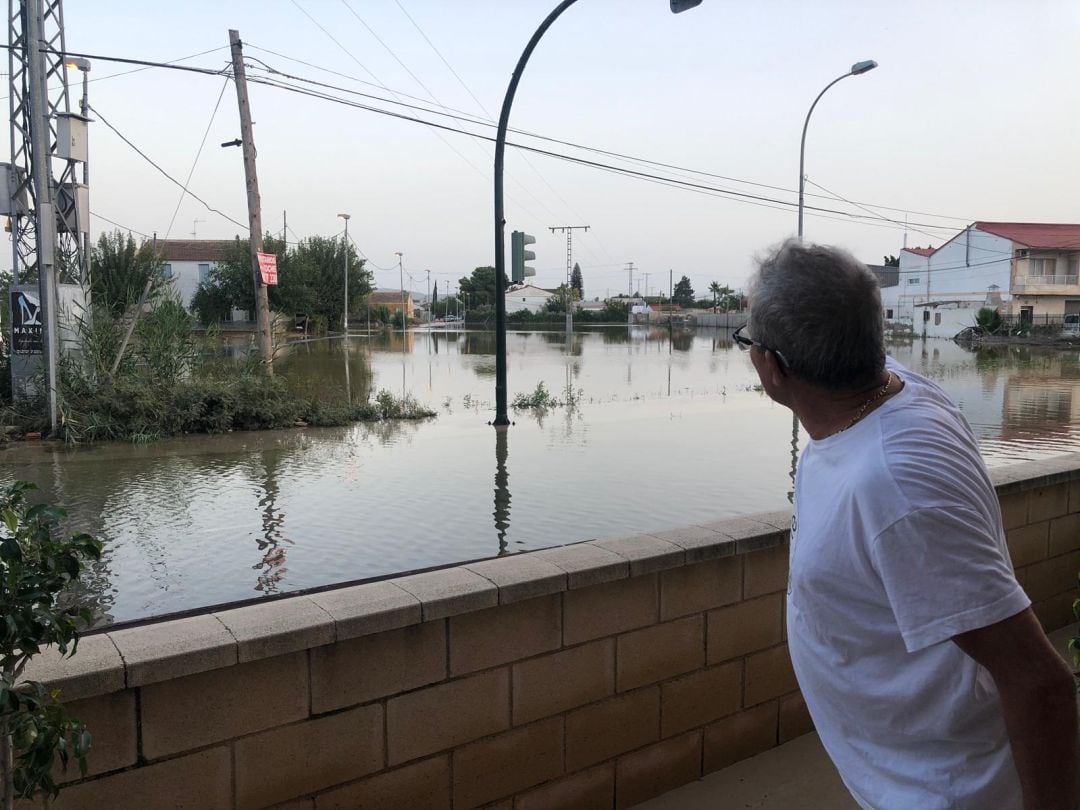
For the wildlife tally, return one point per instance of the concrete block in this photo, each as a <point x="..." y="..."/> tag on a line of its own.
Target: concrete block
<point x="371" y="608"/>
<point x="308" y="757"/>
<point x="1014" y="510"/>
<point x="1028" y="544"/>
<point x="1064" y="534"/>
<point x="173" y="649"/>
<point x="423" y="785"/>
<point x="700" y="698"/>
<point x="447" y="715"/>
<point x="506" y="763"/>
<point x="657" y="769"/>
<point x="586" y="564"/>
<point x="740" y="736"/>
<point x="563" y="680"/>
<point x="370" y="667"/>
<point x="521" y="576"/>
<point x="202" y="780"/>
<point x="505" y="633"/>
<point x="779" y="519"/>
<point x="794" y="718"/>
<point x="659" y="652"/>
<point x="765" y="571"/>
<point x="769" y="674"/>
<point x="110" y="720"/>
<point x="603" y="730"/>
<point x="1074" y="496"/>
<point x="1055" y="612"/>
<point x="592" y="789"/>
<point x="278" y="627"/>
<point x="645" y="553"/>
<point x="208" y="707"/>
<point x="95" y="669"/>
<point x="699" y="542"/>
<point x="750" y="534"/>
<point x="449" y="592"/>
<point x="1048" y="502"/>
<point x="614" y="607"/>
<point x="1051" y="577"/>
<point x="745" y="627"/>
<point x="696" y="588"/>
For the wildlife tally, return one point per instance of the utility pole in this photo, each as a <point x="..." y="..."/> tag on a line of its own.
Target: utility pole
<point x="646" y="286"/>
<point x="630" y="283"/>
<point x="428" y="298"/>
<point x="262" y="304"/>
<point x="195" y="228"/>
<point x="670" y="296"/>
<point x="285" y="227"/>
<point x="569" y="269"/>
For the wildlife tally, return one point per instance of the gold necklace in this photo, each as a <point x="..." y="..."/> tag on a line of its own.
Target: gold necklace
<point x="862" y="411"/>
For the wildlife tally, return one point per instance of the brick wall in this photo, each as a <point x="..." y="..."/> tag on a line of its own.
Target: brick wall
<point x="589" y="676"/>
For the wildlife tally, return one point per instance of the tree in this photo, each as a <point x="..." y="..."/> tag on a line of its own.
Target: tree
<point x="557" y="302"/>
<point x="120" y="272"/>
<point x="891" y="261"/>
<point x="683" y="294"/>
<point x="311" y="281"/>
<point x="577" y="284"/>
<point x="35" y="567"/>
<point x="480" y="286"/>
<point x="434" y="298"/>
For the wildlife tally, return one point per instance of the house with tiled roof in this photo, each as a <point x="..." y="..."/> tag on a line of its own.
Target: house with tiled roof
<point x="188" y="262"/>
<point x="1028" y="270"/>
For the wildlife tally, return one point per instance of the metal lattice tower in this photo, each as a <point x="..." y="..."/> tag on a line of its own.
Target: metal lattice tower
<point x="38" y="89"/>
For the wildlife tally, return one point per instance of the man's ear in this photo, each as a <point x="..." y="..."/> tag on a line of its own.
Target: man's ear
<point x="773" y="369"/>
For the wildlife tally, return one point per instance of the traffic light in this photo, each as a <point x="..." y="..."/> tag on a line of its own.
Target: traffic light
<point x="519" y="255"/>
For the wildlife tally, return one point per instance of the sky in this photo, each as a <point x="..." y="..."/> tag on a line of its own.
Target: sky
<point x="970" y="116"/>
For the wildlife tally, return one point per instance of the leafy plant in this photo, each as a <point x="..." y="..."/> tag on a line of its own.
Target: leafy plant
<point x="35" y="570"/>
<point x="989" y="320"/>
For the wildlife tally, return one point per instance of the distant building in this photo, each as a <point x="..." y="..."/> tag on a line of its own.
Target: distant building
<point x="1027" y="270"/>
<point x="886" y="274"/>
<point x="188" y="263"/>
<point x="527" y="297"/>
<point x="392" y="301"/>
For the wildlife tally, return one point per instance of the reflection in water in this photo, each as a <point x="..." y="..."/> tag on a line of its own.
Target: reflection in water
<point x="672" y="432"/>
<point x="502" y="489"/>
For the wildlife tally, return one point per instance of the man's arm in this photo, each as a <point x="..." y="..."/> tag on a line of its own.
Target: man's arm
<point x="1038" y="695"/>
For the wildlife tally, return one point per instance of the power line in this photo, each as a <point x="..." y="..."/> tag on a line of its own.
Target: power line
<point x="198" y="154"/>
<point x="168" y="176"/>
<point x="118" y="225"/>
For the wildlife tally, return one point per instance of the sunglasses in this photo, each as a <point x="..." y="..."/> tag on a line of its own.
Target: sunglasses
<point x="745" y="343"/>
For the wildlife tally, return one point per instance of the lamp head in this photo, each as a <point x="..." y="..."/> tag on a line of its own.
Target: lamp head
<point x="678" y="6"/>
<point x="345" y="217"/>
<point x="77" y="63"/>
<point x="860" y="68"/>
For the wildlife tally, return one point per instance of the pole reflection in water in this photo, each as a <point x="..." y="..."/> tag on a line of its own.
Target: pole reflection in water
<point x="348" y="381"/>
<point x="273" y="542"/>
<point x="502" y="490"/>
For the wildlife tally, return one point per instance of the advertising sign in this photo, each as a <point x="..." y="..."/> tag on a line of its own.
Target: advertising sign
<point x="27" y="328"/>
<point x="268" y="267"/>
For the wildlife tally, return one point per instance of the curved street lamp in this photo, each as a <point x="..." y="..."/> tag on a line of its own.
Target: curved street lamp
<point x="501" y="417"/>
<point x="345" y="250"/>
<point x="857" y="69"/>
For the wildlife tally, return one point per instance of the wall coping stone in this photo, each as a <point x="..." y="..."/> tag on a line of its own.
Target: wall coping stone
<point x="109" y="660"/>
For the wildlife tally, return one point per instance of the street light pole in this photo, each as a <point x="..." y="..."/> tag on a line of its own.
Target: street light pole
<point x="345" y="247"/>
<point x="501" y="417"/>
<point x="857" y="69"/>
<point x="83" y="66"/>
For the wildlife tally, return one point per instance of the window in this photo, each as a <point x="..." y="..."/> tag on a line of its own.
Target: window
<point x="166" y="270"/>
<point x="1043" y="267"/>
<point x="926" y="315"/>
<point x="204" y="273"/>
<point x="1074" y="267"/>
<point x="913" y="281"/>
<point x="888" y="313"/>
<point x="937" y="319"/>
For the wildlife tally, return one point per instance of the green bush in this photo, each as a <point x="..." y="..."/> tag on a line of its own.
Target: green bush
<point x="989" y="320"/>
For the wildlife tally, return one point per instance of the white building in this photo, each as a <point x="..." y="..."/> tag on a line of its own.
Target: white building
<point x="188" y="263"/>
<point x="528" y="297"/>
<point x="1028" y="270"/>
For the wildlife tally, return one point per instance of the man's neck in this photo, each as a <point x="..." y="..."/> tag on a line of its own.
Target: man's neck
<point x="824" y="413"/>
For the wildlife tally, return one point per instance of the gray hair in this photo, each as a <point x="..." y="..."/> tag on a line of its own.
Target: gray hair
<point x="820" y="307"/>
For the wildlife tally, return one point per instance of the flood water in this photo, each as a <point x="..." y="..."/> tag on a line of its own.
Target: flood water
<point x="665" y="432"/>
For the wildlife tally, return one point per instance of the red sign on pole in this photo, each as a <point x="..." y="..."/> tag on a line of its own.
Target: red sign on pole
<point x="268" y="267"/>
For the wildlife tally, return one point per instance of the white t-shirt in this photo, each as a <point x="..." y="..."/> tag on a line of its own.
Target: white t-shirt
<point x="896" y="547"/>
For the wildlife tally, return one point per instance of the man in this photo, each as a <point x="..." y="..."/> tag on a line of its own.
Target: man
<point x="929" y="679"/>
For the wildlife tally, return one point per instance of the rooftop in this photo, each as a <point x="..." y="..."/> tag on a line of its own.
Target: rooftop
<point x="194" y="250"/>
<point x="1055" y="236"/>
<point x="919" y="251"/>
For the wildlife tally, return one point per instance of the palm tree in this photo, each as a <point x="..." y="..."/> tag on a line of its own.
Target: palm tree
<point x="716" y="291"/>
